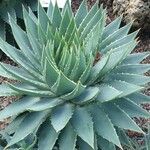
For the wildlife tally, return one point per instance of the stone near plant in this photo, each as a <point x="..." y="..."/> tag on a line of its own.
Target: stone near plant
<point x="133" y="10"/>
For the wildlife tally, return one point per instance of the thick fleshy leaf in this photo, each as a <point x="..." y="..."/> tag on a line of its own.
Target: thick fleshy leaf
<point x="135" y="58"/>
<point x="31" y="26"/>
<point x="86" y="73"/>
<point x="23" y="42"/>
<point x="67" y="138"/>
<point x="51" y="74"/>
<point x="103" y="125"/>
<point x="32" y="33"/>
<point x="76" y="92"/>
<point x="124" y="87"/>
<point x="42" y="17"/>
<point x="105" y="145"/>
<point x="81" y="67"/>
<point x="120" y="42"/>
<point x="87" y="96"/>
<point x="107" y="93"/>
<point x="63" y="85"/>
<point x="12" y="127"/>
<point x="45" y="103"/>
<point x="22" y="75"/>
<point x="5" y="90"/>
<point x="30" y="90"/>
<point x="139" y="98"/>
<point x="30" y="123"/>
<point x="68" y="8"/>
<point x="70" y="30"/>
<point x="64" y="22"/>
<point x="47" y="136"/>
<point x="119" y="118"/>
<point x="84" y="146"/>
<point x="17" y="56"/>
<point x="118" y="34"/>
<point x="50" y="10"/>
<point x="81" y="13"/>
<point x="33" y="16"/>
<point x="132" y="68"/>
<point x="94" y="37"/>
<point x="88" y="17"/>
<point x="119" y="54"/>
<point x="83" y="125"/>
<point x="93" y="22"/>
<point x="61" y="115"/>
<point x="130" y="78"/>
<point x="18" y="107"/>
<point x="4" y="73"/>
<point x="56" y="17"/>
<point x="132" y="109"/>
<point x="112" y="27"/>
<point x="97" y="68"/>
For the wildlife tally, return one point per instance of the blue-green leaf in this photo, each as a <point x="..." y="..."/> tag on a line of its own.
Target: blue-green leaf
<point x="119" y="118"/>
<point x="61" y="115"/>
<point x="18" y="107"/>
<point x="107" y="93"/>
<point x="67" y="138"/>
<point x="45" y="103"/>
<point x="30" y="123"/>
<point x="132" y="109"/>
<point x="139" y="98"/>
<point x="83" y="125"/>
<point x="103" y="125"/>
<point x="47" y="136"/>
<point x="81" y="13"/>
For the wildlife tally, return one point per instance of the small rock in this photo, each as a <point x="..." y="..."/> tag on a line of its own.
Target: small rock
<point x="133" y="10"/>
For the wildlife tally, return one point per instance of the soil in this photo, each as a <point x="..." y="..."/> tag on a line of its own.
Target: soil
<point x="143" y="45"/>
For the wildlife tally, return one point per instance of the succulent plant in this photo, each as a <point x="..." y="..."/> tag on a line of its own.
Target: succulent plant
<point x="13" y="7"/>
<point x="26" y="144"/>
<point x="67" y="97"/>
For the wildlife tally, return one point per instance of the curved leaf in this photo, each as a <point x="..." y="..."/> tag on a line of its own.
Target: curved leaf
<point x="18" y="107"/>
<point x="30" y="123"/>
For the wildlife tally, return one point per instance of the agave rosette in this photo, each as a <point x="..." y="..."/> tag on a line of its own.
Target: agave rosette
<point x="66" y="98"/>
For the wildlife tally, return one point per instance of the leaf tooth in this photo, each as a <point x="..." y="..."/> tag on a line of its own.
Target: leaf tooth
<point x="113" y="26"/>
<point x="126" y="26"/>
<point x="108" y="124"/>
<point x="140" y="130"/>
<point x="116" y="135"/>
<point x="82" y="33"/>
<point x="91" y="10"/>
<point x="121" y="39"/>
<point x="81" y="113"/>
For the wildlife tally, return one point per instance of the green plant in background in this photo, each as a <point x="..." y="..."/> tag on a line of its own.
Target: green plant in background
<point x="67" y="99"/>
<point x="13" y="7"/>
